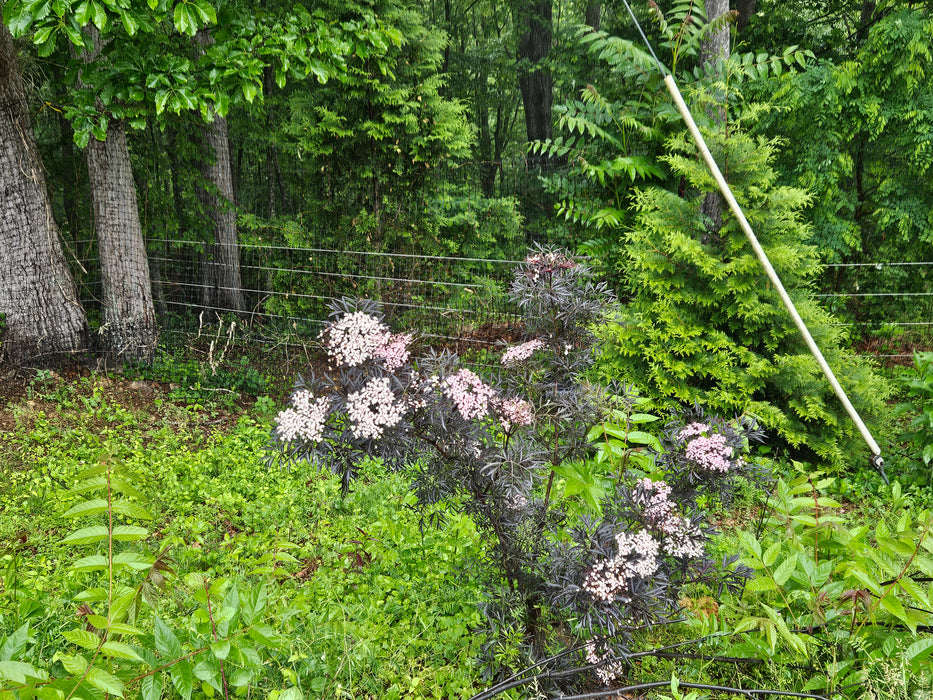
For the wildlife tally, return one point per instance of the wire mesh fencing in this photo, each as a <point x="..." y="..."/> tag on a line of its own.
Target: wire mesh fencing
<point x="450" y="300"/>
<point x="462" y="301"/>
<point x="887" y="306"/>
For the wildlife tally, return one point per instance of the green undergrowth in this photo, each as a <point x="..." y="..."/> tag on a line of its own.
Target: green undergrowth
<point x="357" y="600"/>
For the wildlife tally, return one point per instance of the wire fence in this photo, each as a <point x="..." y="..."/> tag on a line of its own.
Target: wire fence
<point x="887" y="306"/>
<point x="463" y="301"/>
<point x="452" y="300"/>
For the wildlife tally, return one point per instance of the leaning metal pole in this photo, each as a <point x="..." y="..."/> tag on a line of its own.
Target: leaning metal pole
<point x="672" y="88"/>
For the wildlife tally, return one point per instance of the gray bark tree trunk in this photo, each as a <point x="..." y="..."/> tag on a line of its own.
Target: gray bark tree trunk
<point x="38" y="298"/>
<point x="713" y="49"/>
<point x="220" y="273"/>
<point x="223" y="287"/>
<point x="533" y="24"/>
<point x="129" y="331"/>
<point x="745" y="9"/>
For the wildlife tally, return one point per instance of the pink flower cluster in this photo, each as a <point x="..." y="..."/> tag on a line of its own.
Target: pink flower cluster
<point x="710" y="452"/>
<point x="636" y="556"/>
<point x="546" y="263"/>
<point x="514" y="412"/>
<point x="395" y="352"/>
<point x="609" y="669"/>
<point x="355" y="338"/>
<point x="707" y="451"/>
<point x="682" y="538"/>
<point x="359" y="337"/>
<point x="522" y="352"/>
<point x="470" y="394"/>
<point x="654" y="498"/>
<point x="305" y="420"/>
<point x="692" y="430"/>
<point x="373" y="408"/>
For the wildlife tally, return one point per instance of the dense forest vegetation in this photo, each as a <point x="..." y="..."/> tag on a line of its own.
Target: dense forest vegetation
<point x="439" y="127"/>
<point x="650" y="487"/>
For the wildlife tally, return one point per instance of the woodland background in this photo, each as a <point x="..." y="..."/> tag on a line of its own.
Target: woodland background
<point x="186" y="154"/>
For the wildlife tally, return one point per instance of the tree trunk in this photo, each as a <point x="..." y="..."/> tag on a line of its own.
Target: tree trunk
<point x="224" y="289"/>
<point x="128" y="325"/>
<point x="745" y="10"/>
<point x="43" y="317"/>
<point x="593" y="15"/>
<point x="220" y="273"/>
<point x="129" y="331"/>
<point x="533" y="25"/>
<point x="713" y="49"/>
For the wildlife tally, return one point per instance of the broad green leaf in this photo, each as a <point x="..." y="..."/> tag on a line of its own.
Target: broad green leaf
<point x="129" y="533"/>
<point x="183" y="24"/>
<point x="102" y="680"/>
<point x="130" y="22"/>
<point x="151" y="687"/>
<point x="166" y="642"/>
<point x="92" y="507"/>
<point x="95" y="562"/>
<point x="133" y="560"/>
<point x="123" y="628"/>
<point x="894" y="606"/>
<point x="75" y="665"/>
<point x="783" y="572"/>
<point x="121" y="604"/>
<point x="771" y="554"/>
<point x="181" y="678"/>
<point x="98" y="621"/>
<point x="760" y="584"/>
<point x="221" y="649"/>
<point x="87" y="535"/>
<point x="642" y="418"/>
<point x="119" y="650"/>
<point x="295" y="693"/>
<point x="918" y="652"/>
<point x="14" y="644"/>
<point x="82" y="638"/>
<point x="19" y="672"/>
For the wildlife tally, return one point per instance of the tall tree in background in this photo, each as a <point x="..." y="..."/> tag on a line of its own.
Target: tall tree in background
<point x="534" y="31"/>
<point x="220" y="267"/>
<point x="714" y="52"/>
<point x="38" y="299"/>
<point x="128" y="325"/>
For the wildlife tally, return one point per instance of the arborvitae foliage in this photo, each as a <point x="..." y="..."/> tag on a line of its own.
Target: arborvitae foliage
<point x="704" y="324"/>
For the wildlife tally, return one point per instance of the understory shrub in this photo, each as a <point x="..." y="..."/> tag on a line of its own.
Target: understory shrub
<point x="566" y="583"/>
<point x="834" y="608"/>
<point x="704" y="325"/>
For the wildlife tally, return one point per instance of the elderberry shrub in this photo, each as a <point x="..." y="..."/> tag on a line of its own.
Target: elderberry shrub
<point x="490" y="445"/>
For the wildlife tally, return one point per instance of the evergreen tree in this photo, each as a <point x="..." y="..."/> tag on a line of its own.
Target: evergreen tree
<point x="703" y="324"/>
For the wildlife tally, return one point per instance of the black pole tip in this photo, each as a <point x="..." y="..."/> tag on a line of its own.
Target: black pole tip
<point x="878" y="463"/>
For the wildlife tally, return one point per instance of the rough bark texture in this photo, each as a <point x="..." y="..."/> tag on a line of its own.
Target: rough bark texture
<point x="593" y="16"/>
<point x="713" y="49"/>
<point x="43" y="317"/>
<point x="222" y="289"/>
<point x="533" y="21"/>
<point x="221" y="274"/>
<point x="129" y="331"/>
